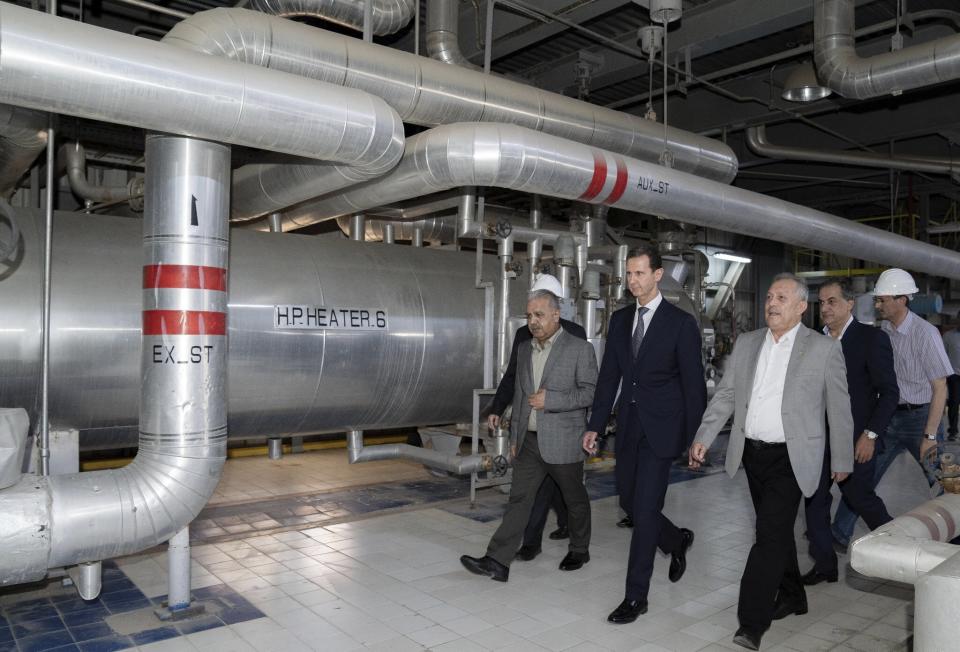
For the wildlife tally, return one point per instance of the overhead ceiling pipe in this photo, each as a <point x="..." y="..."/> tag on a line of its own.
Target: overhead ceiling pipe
<point x="508" y="156"/>
<point x="75" y="159"/>
<point x="443" y="33"/>
<point x="843" y="71"/>
<point x="63" y="66"/>
<point x="23" y="135"/>
<point x="758" y="144"/>
<point x="429" y="93"/>
<point x="389" y="16"/>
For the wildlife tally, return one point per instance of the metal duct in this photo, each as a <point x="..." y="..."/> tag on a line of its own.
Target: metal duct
<point x="67" y="67"/>
<point x="758" y="143"/>
<point x="508" y="156"/>
<point x="427" y="92"/>
<point x="840" y="69"/>
<point x="23" y="135"/>
<point x="432" y="229"/>
<point x="75" y="159"/>
<point x="389" y="16"/>
<point x="443" y="33"/>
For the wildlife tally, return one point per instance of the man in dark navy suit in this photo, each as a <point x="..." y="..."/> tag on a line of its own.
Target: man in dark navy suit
<point x="653" y="353"/>
<point x="549" y="494"/>
<point x="874" y="394"/>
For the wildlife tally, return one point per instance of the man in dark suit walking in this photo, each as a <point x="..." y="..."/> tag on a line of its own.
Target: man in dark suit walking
<point x="556" y="377"/>
<point x="872" y="384"/>
<point x="653" y="354"/>
<point x="549" y="494"/>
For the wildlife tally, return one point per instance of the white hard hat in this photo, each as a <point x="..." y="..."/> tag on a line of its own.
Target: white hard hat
<point x="548" y="283"/>
<point x="895" y="282"/>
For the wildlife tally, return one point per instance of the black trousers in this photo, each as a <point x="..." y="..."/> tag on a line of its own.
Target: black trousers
<point x="772" y="562"/>
<point x="953" y="402"/>
<point x="547" y="496"/>
<point x="529" y="470"/>
<point x="642" y="480"/>
<point x="858" y="494"/>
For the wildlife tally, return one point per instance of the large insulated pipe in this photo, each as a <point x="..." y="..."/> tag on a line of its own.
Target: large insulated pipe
<point x="23" y="135"/>
<point x="62" y="520"/>
<point x="428" y="92"/>
<point x="67" y="67"/>
<point x="842" y="70"/>
<point x="508" y="156"/>
<point x="443" y="33"/>
<point x="758" y="144"/>
<point x="388" y="16"/>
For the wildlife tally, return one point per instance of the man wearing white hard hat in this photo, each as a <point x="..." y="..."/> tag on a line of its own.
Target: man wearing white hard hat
<point x="922" y="368"/>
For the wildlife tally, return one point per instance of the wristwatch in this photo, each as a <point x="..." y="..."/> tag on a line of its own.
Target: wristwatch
<point x="932" y="437"/>
<point x="871" y="435"/>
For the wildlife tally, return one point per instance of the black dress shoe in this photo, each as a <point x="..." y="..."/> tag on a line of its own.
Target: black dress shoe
<point x="745" y="638"/>
<point x="784" y="608"/>
<point x="560" y="533"/>
<point x="626" y="521"/>
<point x="627" y="612"/>
<point x="815" y="577"/>
<point x="528" y="553"/>
<point x="574" y="561"/>
<point x="486" y="566"/>
<point x="678" y="561"/>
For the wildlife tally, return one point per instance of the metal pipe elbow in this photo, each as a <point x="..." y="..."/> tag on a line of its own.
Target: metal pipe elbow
<point x="75" y="159"/>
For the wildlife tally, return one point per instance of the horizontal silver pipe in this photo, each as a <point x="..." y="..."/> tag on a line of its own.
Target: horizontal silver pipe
<point x="75" y="159"/>
<point x="508" y="156"/>
<point x="443" y="34"/>
<point x="150" y="6"/>
<point x="23" y="135"/>
<point x="461" y="465"/>
<point x="432" y="229"/>
<point x="842" y="70"/>
<point x="429" y="93"/>
<point x="758" y="143"/>
<point x="66" y="67"/>
<point x="389" y="16"/>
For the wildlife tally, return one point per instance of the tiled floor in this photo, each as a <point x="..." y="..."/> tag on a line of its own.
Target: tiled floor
<point x="392" y="581"/>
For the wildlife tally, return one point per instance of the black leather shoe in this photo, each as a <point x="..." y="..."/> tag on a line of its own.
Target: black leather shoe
<point x="528" y="553"/>
<point x="627" y="612"/>
<point x="560" y="533"/>
<point x="745" y="638"/>
<point x="784" y="608"/>
<point x="678" y="561"/>
<point x="626" y="521"/>
<point x="815" y="577"/>
<point x="486" y="566"/>
<point x="574" y="561"/>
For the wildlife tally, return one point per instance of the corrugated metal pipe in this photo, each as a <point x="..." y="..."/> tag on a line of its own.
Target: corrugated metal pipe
<point x="840" y="69"/>
<point x="443" y="33"/>
<point x="389" y="16"/>
<point x="461" y="465"/>
<point x="758" y="144"/>
<point x="429" y="93"/>
<point x="75" y="159"/>
<point x="508" y="156"/>
<point x="23" y="135"/>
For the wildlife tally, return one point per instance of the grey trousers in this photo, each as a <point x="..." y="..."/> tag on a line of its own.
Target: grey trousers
<point x="529" y="470"/>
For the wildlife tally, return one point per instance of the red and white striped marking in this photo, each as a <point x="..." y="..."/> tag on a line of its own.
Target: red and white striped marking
<point x="607" y="179"/>
<point x="184" y="322"/>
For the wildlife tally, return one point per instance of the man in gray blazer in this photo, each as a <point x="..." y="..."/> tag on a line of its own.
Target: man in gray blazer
<point x="556" y="376"/>
<point x="779" y="384"/>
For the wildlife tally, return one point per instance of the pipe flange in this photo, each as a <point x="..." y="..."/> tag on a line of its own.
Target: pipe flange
<point x="500" y="466"/>
<point x="135" y="190"/>
<point x="503" y="229"/>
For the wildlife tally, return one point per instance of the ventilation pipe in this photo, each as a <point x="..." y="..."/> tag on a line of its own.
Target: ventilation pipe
<point x="461" y="465"/>
<point x="512" y="157"/>
<point x="75" y="159"/>
<point x="428" y="93"/>
<point x="23" y="135"/>
<point x="443" y="33"/>
<point x="841" y="70"/>
<point x="389" y="16"/>
<point x="758" y="143"/>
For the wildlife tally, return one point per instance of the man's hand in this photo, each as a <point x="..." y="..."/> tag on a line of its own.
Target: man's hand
<point x="839" y="476"/>
<point x="493" y="421"/>
<point x="928" y="448"/>
<point x="697" y="455"/>
<point x="590" y="442"/>
<point x="864" y="450"/>
<point x="537" y="400"/>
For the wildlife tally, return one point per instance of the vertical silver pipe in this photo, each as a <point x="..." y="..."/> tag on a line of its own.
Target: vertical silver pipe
<point x="467" y="212"/>
<point x="178" y="570"/>
<point x="416" y="29"/>
<point x="489" y="301"/>
<point x="368" y="21"/>
<point x="581" y="262"/>
<point x="357" y="226"/>
<point x="388" y="237"/>
<point x="505" y="253"/>
<point x="488" y="38"/>
<point x="275" y="448"/>
<point x="563" y="275"/>
<point x="276" y="222"/>
<point x="535" y="246"/>
<point x="44" y="447"/>
<point x="354" y="445"/>
<point x="620" y="272"/>
<point x="417" y="240"/>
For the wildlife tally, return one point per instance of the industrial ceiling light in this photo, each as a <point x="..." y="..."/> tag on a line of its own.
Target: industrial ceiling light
<point x="732" y="257"/>
<point x="802" y="85"/>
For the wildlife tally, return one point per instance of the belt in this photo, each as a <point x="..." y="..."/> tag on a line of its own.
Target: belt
<point x="759" y="444"/>
<point x="911" y="406"/>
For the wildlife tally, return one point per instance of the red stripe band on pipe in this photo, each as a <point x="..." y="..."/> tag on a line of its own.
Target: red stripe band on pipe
<point x="620" y="184"/>
<point x="928" y="522"/>
<point x="948" y="519"/>
<point x="184" y="322"/>
<point x="599" y="177"/>
<point x="191" y="277"/>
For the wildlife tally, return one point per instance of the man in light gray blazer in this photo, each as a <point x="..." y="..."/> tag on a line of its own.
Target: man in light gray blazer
<point x="783" y="385"/>
<point x="556" y="377"/>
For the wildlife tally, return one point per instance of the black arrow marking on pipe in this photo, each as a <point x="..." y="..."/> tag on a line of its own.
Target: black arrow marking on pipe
<point x="193" y="211"/>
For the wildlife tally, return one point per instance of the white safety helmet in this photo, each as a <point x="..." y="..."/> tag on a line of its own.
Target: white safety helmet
<point x="895" y="282"/>
<point x="548" y="283"/>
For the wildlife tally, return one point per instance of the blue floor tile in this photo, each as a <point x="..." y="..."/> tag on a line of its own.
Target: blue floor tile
<point x="120" y="596"/>
<point x="154" y="635"/>
<point x="198" y="624"/>
<point x="38" y="612"/>
<point x="26" y="605"/>
<point x="5" y="635"/>
<point x="91" y="631"/>
<point x="93" y="613"/>
<point x="44" y="642"/>
<point x="34" y="627"/>
<point x="240" y="614"/>
<point x="75" y="603"/>
<point x="106" y="644"/>
<point x="8" y="646"/>
<point x="128" y="605"/>
<point x="65" y="648"/>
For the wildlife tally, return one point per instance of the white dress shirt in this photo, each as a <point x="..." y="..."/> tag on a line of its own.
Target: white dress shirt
<point x="764" y="418"/>
<point x="651" y="308"/>
<point x="826" y="329"/>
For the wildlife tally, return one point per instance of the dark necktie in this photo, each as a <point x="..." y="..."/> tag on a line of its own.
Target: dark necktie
<point x="638" y="331"/>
